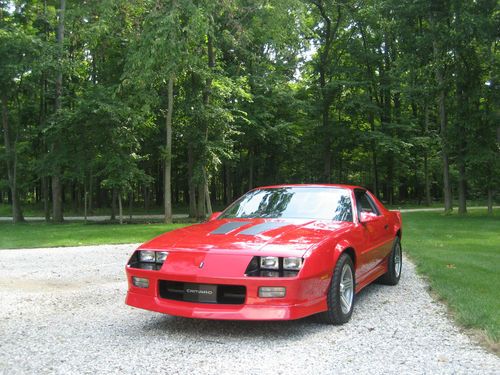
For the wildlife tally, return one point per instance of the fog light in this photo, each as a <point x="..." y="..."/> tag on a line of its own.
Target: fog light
<point x="272" y="291"/>
<point x="147" y="256"/>
<point x="269" y="263"/>
<point x="292" y="263"/>
<point x="140" y="282"/>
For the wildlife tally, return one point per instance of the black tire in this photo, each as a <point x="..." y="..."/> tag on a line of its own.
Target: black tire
<point x="335" y="314"/>
<point x="392" y="276"/>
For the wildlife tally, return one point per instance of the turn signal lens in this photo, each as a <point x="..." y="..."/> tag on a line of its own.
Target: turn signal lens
<point x="272" y="292"/>
<point x="147" y="256"/>
<point x="140" y="282"/>
<point x="269" y="263"/>
<point x="292" y="263"/>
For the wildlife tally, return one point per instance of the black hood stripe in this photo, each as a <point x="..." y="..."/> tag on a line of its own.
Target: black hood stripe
<point x="261" y="228"/>
<point x="229" y="227"/>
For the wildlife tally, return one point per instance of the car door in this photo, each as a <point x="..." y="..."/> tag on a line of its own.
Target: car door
<point x="375" y="232"/>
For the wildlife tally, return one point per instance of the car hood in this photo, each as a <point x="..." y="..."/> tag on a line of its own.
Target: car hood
<point x="249" y="236"/>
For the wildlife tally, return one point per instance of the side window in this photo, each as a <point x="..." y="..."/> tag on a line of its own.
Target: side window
<point x="365" y="204"/>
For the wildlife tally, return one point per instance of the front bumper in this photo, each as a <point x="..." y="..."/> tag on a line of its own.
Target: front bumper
<point x="304" y="297"/>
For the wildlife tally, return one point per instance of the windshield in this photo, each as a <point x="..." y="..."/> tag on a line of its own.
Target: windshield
<point x="319" y="203"/>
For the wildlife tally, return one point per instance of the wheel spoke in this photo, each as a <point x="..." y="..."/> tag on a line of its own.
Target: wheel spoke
<point x="345" y="303"/>
<point x="346" y="289"/>
<point x="397" y="260"/>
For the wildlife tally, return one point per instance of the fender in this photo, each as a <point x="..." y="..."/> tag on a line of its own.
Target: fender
<point x="397" y="225"/>
<point x="340" y="248"/>
<point x="329" y="249"/>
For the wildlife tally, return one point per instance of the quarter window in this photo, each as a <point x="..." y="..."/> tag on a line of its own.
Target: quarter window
<point x="365" y="203"/>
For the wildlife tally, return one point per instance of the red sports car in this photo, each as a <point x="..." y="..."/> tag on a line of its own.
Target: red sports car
<point x="277" y="253"/>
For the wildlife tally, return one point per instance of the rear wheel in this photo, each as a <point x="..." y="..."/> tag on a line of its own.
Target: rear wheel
<point x="340" y="297"/>
<point x="395" y="265"/>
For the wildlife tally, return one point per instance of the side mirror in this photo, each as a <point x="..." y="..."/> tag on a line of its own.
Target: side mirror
<point x="214" y="216"/>
<point x="366" y="217"/>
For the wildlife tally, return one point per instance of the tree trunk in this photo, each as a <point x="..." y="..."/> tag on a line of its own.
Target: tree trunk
<point x="201" y="206"/>
<point x="113" y="205"/>
<point x="57" y="213"/>
<point x="91" y="188"/>
<point x="462" y="202"/>
<point x="465" y="116"/>
<point x="443" y="122"/>
<point x="428" y="199"/>
<point x="448" y="206"/>
<point x="207" y="195"/>
<point x="325" y="115"/>
<point x="130" y="204"/>
<point x="250" y="168"/>
<point x="167" y="197"/>
<point x="371" y="119"/>
<point x="204" y="204"/>
<point x="191" y="183"/>
<point x="490" y="201"/>
<point x="85" y="204"/>
<point x="45" y="193"/>
<point x="324" y="62"/>
<point x="43" y="116"/>
<point x="17" y="215"/>
<point x="228" y="190"/>
<point x="120" y="207"/>
<point x="146" y="197"/>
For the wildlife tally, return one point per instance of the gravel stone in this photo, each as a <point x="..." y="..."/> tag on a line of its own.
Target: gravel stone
<point x="62" y="311"/>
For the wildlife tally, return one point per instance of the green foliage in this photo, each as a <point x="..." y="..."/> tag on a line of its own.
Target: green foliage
<point x="265" y="92"/>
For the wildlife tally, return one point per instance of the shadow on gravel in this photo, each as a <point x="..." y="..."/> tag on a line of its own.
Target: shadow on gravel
<point x="215" y="330"/>
<point x="218" y="331"/>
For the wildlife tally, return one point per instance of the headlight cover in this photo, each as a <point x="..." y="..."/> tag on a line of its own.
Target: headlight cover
<point x="148" y="259"/>
<point x="292" y="263"/>
<point x="147" y="256"/>
<point x="271" y="266"/>
<point x="161" y="256"/>
<point x="269" y="263"/>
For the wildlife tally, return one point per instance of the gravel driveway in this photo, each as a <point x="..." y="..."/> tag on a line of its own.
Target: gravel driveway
<point x="62" y="311"/>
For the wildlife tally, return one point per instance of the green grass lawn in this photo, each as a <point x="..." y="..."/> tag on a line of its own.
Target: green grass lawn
<point x="30" y="210"/>
<point x="437" y="204"/>
<point x="74" y="234"/>
<point x="461" y="258"/>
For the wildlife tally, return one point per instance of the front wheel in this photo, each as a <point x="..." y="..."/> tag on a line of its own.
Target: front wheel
<point x="395" y="265"/>
<point x="340" y="297"/>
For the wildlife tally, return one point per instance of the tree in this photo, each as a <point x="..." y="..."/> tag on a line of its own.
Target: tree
<point x="17" y="55"/>
<point x="57" y="209"/>
<point x="161" y="53"/>
<point x="191" y="103"/>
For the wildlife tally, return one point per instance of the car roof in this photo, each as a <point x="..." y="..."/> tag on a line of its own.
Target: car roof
<point x="340" y="186"/>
